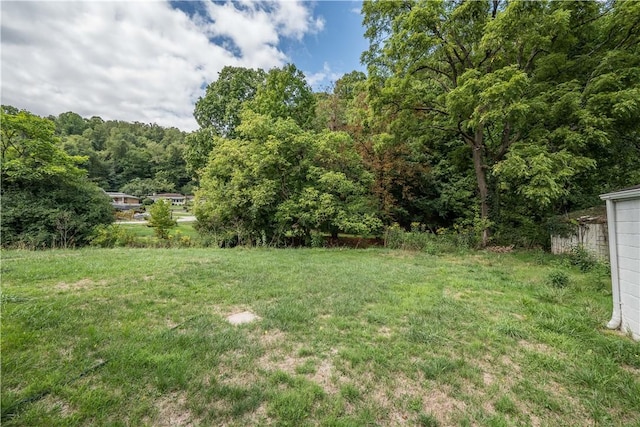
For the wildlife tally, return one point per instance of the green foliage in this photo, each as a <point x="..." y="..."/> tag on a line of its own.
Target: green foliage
<point x="396" y="237"/>
<point x="118" y="154"/>
<point x="110" y="236"/>
<point x="46" y="199"/>
<point x="146" y="186"/>
<point x="223" y="101"/>
<point x="285" y="95"/>
<point x="542" y="94"/>
<point x="427" y="420"/>
<point x="317" y="240"/>
<point x="277" y="181"/>
<point x="582" y="258"/>
<point x="420" y="239"/>
<point x="558" y="279"/>
<point x="161" y="219"/>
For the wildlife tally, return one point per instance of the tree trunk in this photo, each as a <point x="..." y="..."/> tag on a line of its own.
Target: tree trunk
<point x="481" y="178"/>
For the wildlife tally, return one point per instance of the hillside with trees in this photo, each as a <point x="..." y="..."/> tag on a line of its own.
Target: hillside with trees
<point x="486" y="118"/>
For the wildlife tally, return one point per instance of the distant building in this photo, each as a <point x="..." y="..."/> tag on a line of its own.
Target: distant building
<point x="175" y="198"/>
<point x="124" y="202"/>
<point x="588" y="230"/>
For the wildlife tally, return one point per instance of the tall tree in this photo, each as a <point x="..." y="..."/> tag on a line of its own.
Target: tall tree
<point x="285" y="94"/>
<point x="483" y="72"/>
<point x="46" y="198"/>
<point x="277" y="180"/>
<point x="220" y="107"/>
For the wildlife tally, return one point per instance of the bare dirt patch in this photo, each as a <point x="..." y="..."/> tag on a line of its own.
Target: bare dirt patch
<point x="80" y="285"/>
<point x="258" y="417"/>
<point x="272" y="338"/>
<point x="173" y="411"/>
<point x="393" y="397"/>
<point x="385" y="332"/>
<point x="55" y="404"/>
<point x="326" y="377"/>
<point x="275" y="362"/>
<point x="242" y="318"/>
<point x="631" y="370"/>
<point x="537" y="347"/>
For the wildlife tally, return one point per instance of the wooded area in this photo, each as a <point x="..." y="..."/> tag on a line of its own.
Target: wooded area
<point x="483" y="117"/>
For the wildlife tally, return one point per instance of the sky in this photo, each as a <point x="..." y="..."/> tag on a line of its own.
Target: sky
<point x="150" y="61"/>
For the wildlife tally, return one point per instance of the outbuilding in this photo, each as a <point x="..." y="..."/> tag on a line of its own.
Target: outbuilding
<point x="623" y="222"/>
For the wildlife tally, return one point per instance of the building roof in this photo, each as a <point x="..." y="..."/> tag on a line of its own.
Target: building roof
<point x="118" y="194"/>
<point x="174" y="195"/>
<point x="625" y="193"/>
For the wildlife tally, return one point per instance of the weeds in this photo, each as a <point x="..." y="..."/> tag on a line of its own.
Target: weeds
<point x="582" y="258"/>
<point x="558" y="279"/>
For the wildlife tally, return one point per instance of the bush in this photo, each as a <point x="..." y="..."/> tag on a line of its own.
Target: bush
<point x="415" y="240"/>
<point x="420" y="239"/>
<point x="558" y="279"/>
<point x="179" y="240"/>
<point x="110" y="236"/>
<point x="582" y="258"/>
<point x="317" y="240"/>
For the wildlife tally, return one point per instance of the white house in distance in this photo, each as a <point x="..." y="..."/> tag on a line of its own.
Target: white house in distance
<point x="175" y="198"/>
<point x="623" y="219"/>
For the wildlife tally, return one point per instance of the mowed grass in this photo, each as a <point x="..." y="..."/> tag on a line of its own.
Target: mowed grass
<point x="345" y="338"/>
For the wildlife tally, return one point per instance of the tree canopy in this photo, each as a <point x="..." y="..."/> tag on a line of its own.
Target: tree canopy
<point x="46" y="199"/>
<point x="515" y="82"/>
<point x="278" y="181"/>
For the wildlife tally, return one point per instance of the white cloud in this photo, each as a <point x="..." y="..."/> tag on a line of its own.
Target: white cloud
<point x="321" y="80"/>
<point x="142" y="61"/>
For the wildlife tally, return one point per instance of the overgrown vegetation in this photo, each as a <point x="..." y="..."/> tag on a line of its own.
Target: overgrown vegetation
<point x="487" y="118"/>
<point x="369" y="337"/>
<point x="46" y="200"/>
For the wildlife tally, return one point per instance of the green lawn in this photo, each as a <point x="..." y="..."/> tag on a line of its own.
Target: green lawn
<point x="345" y="338"/>
<point x="146" y="233"/>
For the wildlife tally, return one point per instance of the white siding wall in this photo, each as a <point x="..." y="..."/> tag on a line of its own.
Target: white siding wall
<point x="628" y="249"/>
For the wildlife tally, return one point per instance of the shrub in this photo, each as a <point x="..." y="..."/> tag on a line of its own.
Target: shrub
<point x="113" y="235"/>
<point x="582" y="258"/>
<point x="317" y="240"/>
<point x="161" y="219"/>
<point x="558" y="279"/>
<point x="179" y="240"/>
<point x="419" y="239"/>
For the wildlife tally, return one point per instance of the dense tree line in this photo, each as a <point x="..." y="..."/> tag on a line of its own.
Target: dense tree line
<point x="46" y="198"/>
<point x="536" y="103"/>
<point x="484" y="116"/>
<point x="135" y="158"/>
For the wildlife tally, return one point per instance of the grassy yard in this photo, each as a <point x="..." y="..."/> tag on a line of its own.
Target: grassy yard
<point x="345" y="338"/>
<point x="144" y="233"/>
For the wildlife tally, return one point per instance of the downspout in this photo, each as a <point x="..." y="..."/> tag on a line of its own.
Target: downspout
<point x="616" y="317"/>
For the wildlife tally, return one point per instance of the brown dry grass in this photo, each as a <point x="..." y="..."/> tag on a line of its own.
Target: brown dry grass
<point x="80" y="285"/>
<point x="172" y="411"/>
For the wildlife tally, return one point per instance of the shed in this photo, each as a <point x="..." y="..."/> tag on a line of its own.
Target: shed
<point x="586" y="228"/>
<point x="623" y="220"/>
